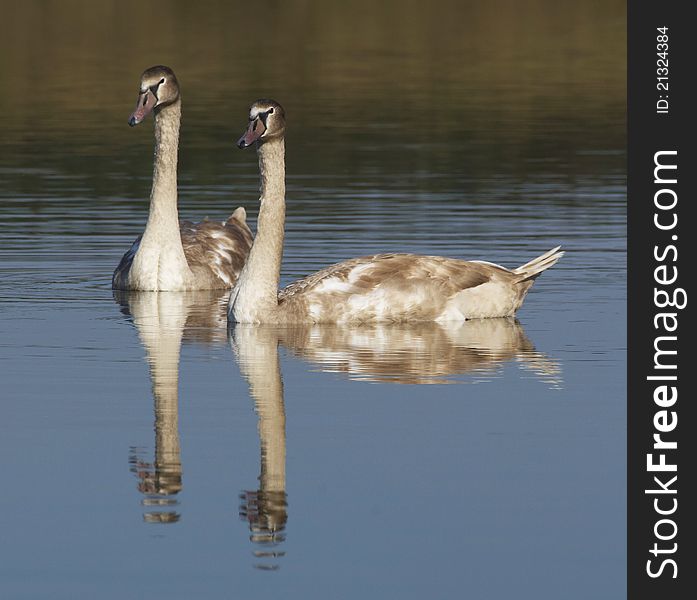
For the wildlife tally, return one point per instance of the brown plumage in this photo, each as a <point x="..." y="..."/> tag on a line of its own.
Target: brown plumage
<point x="218" y="248"/>
<point x="414" y="283"/>
<point x="410" y="287"/>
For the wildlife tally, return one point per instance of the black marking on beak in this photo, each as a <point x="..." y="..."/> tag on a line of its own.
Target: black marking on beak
<point x="155" y="88"/>
<point x="251" y="134"/>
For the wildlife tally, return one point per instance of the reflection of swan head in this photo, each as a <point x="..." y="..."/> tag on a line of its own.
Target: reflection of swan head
<point x="267" y="514"/>
<point x="158" y="88"/>
<point x="267" y="121"/>
<point x="159" y="482"/>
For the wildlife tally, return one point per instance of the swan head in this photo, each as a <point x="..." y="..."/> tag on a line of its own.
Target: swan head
<point x="158" y="87"/>
<point x="267" y="121"/>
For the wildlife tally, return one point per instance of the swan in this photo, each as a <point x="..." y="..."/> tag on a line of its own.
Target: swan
<point x="171" y="255"/>
<point x="371" y="289"/>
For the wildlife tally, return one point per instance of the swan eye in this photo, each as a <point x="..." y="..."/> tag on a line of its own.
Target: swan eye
<point x="270" y="111"/>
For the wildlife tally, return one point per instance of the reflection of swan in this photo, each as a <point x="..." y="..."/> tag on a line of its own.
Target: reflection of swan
<point x="171" y="255"/>
<point x="265" y="508"/>
<point x="418" y="352"/>
<point x="163" y="319"/>
<point x="379" y="288"/>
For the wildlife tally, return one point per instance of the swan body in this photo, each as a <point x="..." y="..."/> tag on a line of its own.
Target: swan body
<point x="371" y="289"/>
<point x="409" y="287"/>
<point x="173" y="255"/>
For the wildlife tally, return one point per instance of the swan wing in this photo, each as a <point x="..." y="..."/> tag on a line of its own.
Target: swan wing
<point x="120" y="277"/>
<point x="387" y="287"/>
<point x="216" y="250"/>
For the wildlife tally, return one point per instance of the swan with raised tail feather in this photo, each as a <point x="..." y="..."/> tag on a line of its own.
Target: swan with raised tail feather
<point x="378" y="288"/>
<point x="173" y="255"/>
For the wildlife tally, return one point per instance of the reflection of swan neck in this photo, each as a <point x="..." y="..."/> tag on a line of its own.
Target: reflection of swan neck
<point x="162" y="338"/>
<point x="267" y="390"/>
<point x="165" y="383"/>
<point x="259" y="363"/>
<point x="161" y="329"/>
<point x="272" y="433"/>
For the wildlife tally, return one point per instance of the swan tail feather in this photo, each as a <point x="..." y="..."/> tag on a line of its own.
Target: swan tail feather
<point x="532" y="269"/>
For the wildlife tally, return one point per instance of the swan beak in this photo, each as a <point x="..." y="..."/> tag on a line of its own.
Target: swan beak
<point x="146" y="102"/>
<point x="255" y="130"/>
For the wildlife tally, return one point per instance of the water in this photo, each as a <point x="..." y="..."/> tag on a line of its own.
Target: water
<point x="146" y="452"/>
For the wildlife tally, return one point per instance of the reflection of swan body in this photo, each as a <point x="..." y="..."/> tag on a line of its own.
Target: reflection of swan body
<point x="379" y="288"/>
<point x="163" y="320"/>
<point x="171" y="255"/>
<point x="416" y="353"/>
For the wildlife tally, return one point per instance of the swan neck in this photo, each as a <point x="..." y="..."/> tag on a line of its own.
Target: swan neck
<point x="163" y="197"/>
<point x="272" y="168"/>
<point x="255" y="298"/>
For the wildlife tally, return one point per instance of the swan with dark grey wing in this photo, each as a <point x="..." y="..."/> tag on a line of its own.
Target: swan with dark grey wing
<point x="378" y="288"/>
<point x="171" y="255"/>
